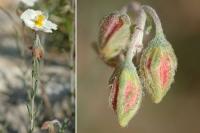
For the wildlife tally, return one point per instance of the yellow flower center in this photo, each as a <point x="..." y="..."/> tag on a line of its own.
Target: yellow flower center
<point x="39" y="21"/>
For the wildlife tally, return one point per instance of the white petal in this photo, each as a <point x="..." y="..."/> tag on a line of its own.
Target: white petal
<point x="30" y="14"/>
<point x="47" y="30"/>
<point x="28" y="17"/>
<point x="50" y="25"/>
<point x="29" y="23"/>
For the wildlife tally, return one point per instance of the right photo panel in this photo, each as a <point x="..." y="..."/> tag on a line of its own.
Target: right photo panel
<point x="137" y="66"/>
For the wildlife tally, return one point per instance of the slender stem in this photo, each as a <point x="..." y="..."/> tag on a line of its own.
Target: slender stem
<point x="35" y="83"/>
<point x="155" y="17"/>
<point x="32" y="113"/>
<point x="137" y="37"/>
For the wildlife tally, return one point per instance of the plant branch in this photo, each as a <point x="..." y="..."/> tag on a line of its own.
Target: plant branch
<point x="136" y="43"/>
<point x="35" y="83"/>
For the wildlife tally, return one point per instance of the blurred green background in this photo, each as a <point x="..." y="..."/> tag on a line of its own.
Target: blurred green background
<point x="179" y="112"/>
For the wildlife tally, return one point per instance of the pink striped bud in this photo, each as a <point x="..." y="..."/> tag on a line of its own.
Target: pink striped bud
<point x="126" y="93"/>
<point x="114" y="34"/>
<point x="157" y="67"/>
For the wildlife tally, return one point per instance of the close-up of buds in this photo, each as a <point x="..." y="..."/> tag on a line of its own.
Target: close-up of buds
<point x="118" y="46"/>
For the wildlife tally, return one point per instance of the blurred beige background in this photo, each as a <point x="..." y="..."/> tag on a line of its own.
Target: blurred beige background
<point x="179" y="112"/>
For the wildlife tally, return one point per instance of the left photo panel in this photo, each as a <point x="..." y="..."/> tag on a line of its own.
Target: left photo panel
<point x="37" y="66"/>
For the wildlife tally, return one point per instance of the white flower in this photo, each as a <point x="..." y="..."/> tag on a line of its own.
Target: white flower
<point x="37" y="20"/>
<point x="29" y="2"/>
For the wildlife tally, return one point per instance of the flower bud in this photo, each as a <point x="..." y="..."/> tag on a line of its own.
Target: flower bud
<point x="126" y="93"/>
<point x="38" y="53"/>
<point x="157" y="67"/>
<point x="114" y="34"/>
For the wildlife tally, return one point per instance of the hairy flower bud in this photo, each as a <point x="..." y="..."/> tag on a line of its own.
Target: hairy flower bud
<point x="157" y="67"/>
<point x="126" y="93"/>
<point x="38" y="53"/>
<point x="114" y="34"/>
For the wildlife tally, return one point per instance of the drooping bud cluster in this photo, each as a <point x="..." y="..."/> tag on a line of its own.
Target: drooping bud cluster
<point x="157" y="67"/>
<point x="126" y="93"/>
<point x="118" y="45"/>
<point x="114" y="35"/>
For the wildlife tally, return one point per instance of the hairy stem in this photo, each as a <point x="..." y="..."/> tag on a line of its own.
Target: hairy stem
<point x="35" y="83"/>
<point x="155" y="17"/>
<point x="137" y="36"/>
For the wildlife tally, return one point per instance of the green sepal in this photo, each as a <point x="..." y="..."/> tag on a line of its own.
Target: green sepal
<point x="128" y="75"/>
<point x="128" y="96"/>
<point x="158" y="49"/>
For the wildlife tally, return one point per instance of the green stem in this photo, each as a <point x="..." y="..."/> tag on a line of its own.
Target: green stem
<point x="35" y="83"/>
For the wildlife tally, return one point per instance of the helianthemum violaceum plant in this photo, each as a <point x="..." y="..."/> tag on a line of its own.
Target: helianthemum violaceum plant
<point x="152" y="67"/>
<point x="37" y="21"/>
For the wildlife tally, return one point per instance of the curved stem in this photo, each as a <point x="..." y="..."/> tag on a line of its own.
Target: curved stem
<point x="155" y="17"/>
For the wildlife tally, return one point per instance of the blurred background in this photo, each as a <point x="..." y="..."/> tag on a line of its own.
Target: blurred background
<point x="179" y="110"/>
<point x="56" y="96"/>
